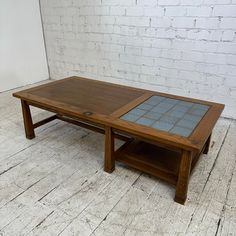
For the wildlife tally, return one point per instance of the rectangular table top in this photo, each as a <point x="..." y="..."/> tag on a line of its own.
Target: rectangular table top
<point x="169" y="119"/>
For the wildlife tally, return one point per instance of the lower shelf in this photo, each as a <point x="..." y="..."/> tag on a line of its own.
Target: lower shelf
<point x="151" y="159"/>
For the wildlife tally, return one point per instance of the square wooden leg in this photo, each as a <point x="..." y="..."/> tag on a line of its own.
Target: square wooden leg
<point x="183" y="178"/>
<point x="207" y="146"/>
<point x="109" y="164"/>
<point x="29" y="128"/>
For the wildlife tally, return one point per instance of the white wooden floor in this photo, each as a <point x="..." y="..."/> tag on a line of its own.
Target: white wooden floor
<point x="55" y="185"/>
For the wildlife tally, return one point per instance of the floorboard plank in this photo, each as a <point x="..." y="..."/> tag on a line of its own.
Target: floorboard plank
<point x="27" y="220"/>
<point x="98" y="208"/>
<point x="215" y="196"/>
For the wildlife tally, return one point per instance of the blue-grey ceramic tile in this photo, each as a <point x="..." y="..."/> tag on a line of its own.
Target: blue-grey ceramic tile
<point x="162" y="126"/>
<point x="171" y="101"/>
<point x="201" y="107"/>
<point x="186" y="104"/>
<point x="153" y="115"/>
<point x="181" y="131"/>
<point x="157" y="98"/>
<point x="160" y="109"/>
<point x="145" y="107"/>
<point x="178" y="114"/>
<point x="154" y="100"/>
<point x="190" y="124"/>
<point x="137" y="111"/>
<point x="169" y="119"/>
<point x="129" y="117"/>
<point x="145" y="121"/>
<point x="165" y="104"/>
<point x="151" y="102"/>
<point x="192" y="117"/>
<point x="180" y="108"/>
<point x="198" y="112"/>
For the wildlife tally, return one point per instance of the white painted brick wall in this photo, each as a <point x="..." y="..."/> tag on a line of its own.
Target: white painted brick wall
<point x="175" y="46"/>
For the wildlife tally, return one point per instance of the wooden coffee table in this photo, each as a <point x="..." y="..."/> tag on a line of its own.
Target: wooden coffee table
<point x="164" y="134"/>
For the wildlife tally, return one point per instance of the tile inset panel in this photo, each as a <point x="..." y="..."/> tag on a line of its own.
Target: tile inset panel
<point x="167" y="114"/>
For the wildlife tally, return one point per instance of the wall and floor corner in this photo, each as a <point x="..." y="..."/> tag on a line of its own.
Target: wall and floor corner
<point x="22" y="50"/>
<point x="175" y="46"/>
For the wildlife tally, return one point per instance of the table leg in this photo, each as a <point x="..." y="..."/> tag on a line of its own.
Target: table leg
<point x="29" y="129"/>
<point x="109" y="164"/>
<point x="183" y="178"/>
<point x="207" y="146"/>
